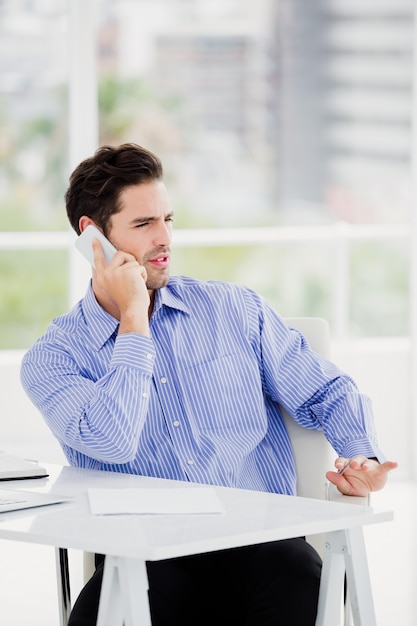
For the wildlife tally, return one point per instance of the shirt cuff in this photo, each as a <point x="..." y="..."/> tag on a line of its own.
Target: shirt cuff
<point x="363" y="447"/>
<point x="134" y="350"/>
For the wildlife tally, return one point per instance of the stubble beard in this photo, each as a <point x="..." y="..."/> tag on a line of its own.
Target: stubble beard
<point x="157" y="282"/>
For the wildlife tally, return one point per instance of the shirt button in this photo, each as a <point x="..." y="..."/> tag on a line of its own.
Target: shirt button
<point x="144" y="395"/>
<point x="149" y="356"/>
<point x="176" y="423"/>
<point x="163" y="380"/>
<point x="190" y="462"/>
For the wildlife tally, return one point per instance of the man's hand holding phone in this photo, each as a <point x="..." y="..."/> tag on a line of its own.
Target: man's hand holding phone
<point x="124" y="281"/>
<point x="119" y="281"/>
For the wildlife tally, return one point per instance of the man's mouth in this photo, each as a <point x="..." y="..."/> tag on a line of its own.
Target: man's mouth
<point x="162" y="260"/>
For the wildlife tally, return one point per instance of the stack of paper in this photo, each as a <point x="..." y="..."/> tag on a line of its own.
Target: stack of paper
<point x="175" y="501"/>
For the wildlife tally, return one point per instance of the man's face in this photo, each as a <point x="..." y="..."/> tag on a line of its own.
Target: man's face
<point x="143" y="227"/>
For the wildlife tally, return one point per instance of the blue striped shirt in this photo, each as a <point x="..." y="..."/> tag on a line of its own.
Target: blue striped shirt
<point x="199" y="400"/>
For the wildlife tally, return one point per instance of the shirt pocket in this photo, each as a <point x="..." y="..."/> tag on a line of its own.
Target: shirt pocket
<point x="224" y="393"/>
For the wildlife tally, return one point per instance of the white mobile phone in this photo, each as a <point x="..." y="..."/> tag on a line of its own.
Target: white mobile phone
<point x="84" y="244"/>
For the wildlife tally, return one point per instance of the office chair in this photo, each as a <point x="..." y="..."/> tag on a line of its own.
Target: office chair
<point x="313" y="455"/>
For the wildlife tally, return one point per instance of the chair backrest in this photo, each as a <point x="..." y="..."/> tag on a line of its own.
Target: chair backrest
<point x="313" y="454"/>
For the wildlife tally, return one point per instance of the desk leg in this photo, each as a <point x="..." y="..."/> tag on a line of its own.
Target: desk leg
<point x="345" y="551"/>
<point x="358" y="580"/>
<point x="63" y="582"/>
<point x="124" y="593"/>
<point x="332" y="580"/>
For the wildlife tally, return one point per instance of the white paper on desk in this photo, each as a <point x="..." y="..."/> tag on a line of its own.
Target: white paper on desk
<point x="175" y="501"/>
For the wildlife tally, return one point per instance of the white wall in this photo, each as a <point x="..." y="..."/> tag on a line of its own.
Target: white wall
<point x="22" y="429"/>
<point x="381" y="370"/>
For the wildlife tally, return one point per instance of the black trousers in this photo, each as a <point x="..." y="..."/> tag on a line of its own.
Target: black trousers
<point x="268" y="584"/>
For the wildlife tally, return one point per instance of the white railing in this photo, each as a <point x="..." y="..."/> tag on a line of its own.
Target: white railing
<point x="339" y="237"/>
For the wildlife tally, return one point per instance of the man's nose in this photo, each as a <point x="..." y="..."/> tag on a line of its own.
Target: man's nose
<point x="163" y="236"/>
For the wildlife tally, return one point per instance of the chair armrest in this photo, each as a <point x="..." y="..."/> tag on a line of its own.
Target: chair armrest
<point x="333" y="494"/>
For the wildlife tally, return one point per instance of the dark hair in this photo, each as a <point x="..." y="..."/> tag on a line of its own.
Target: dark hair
<point x="96" y="183"/>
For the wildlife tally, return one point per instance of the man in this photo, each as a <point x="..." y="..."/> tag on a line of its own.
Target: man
<point x="181" y="379"/>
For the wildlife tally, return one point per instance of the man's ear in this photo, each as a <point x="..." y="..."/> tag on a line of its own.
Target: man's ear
<point x="84" y="221"/>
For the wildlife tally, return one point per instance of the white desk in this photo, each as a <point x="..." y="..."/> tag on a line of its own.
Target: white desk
<point x="251" y="517"/>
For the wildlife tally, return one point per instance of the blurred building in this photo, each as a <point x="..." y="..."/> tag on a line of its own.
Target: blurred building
<point x="344" y="102"/>
<point x="312" y="101"/>
<point x="299" y="111"/>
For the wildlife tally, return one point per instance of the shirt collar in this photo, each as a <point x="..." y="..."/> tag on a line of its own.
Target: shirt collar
<point x="170" y="296"/>
<point x="101" y="325"/>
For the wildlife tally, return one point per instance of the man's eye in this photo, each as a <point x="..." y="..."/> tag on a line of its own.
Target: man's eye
<point x="142" y="224"/>
<point x="170" y="219"/>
